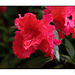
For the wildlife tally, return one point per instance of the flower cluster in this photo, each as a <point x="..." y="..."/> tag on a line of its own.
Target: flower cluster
<point x="34" y="34"/>
<point x="60" y="15"/>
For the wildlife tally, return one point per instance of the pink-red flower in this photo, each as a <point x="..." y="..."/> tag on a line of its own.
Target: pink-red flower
<point x="60" y="16"/>
<point x="2" y="9"/>
<point x="34" y="34"/>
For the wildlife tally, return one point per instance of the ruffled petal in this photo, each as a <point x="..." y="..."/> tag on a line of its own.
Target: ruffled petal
<point x="18" y="49"/>
<point x="57" y="42"/>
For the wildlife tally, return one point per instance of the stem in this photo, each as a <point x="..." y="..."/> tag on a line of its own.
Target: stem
<point x="62" y="32"/>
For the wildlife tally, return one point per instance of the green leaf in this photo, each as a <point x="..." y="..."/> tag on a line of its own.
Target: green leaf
<point x="56" y="52"/>
<point x="56" y="34"/>
<point x="36" y="62"/>
<point x="69" y="47"/>
<point x="68" y="59"/>
<point x="56" y="48"/>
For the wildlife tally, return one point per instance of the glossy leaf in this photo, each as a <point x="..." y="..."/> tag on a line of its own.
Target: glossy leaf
<point x="37" y="62"/>
<point x="68" y="59"/>
<point x="56" y="48"/>
<point x="70" y="48"/>
<point x="56" y="52"/>
<point x="56" y="34"/>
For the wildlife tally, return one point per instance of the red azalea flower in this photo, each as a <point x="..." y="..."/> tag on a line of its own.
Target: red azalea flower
<point x="60" y="16"/>
<point x="2" y="9"/>
<point x="34" y="34"/>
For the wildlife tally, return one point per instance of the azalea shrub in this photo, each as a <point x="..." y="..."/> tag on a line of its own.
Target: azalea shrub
<point x="37" y="37"/>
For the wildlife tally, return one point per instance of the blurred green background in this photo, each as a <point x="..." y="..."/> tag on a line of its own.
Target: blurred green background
<point x="64" y="56"/>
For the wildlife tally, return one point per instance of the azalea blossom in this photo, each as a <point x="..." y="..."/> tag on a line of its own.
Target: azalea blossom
<point x="60" y="15"/>
<point x="34" y="34"/>
<point x="2" y="9"/>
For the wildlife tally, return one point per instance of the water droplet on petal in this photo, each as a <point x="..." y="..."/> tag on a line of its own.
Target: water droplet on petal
<point x="27" y="42"/>
<point x="68" y="12"/>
